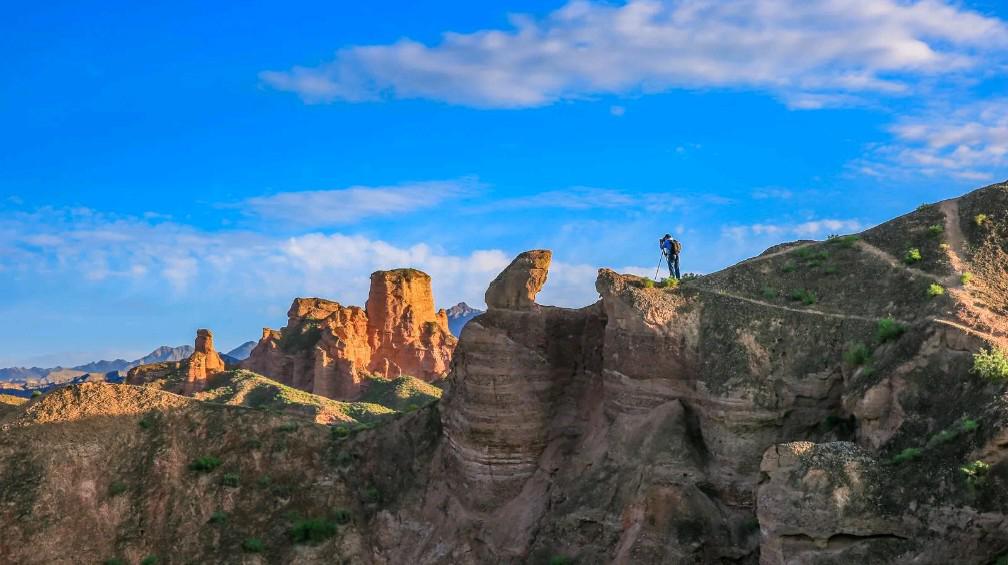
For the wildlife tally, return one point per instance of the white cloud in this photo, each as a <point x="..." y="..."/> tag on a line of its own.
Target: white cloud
<point x="321" y="208"/>
<point x="145" y="257"/>
<point x="809" y="229"/>
<point x="811" y="54"/>
<point x="968" y="142"/>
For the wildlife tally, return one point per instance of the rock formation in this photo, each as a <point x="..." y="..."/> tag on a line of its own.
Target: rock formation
<point x="817" y="404"/>
<point x="330" y="350"/>
<point x="516" y="287"/>
<point x="203" y="363"/>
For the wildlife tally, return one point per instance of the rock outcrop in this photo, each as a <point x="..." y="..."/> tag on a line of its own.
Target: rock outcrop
<point x="203" y="363"/>
<point x="516" y="287"/>
<point x="331" y="350"/>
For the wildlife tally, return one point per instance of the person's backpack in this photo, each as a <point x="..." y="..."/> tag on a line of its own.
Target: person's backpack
<point x="676" y="247"/>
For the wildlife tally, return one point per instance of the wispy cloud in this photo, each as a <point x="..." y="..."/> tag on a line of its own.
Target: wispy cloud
<point x="967" y="142"/>
<point x="323" y="208"/>
<point x="811" y="54"/>
<point x="808" y="229"/>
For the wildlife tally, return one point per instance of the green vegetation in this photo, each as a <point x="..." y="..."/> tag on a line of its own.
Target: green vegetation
<point x="648" y="283"/>
<point x="913" y="255"/>
<point x="114" y="561"/>
<point x="146" y="422"/>
<point x="341" y="516"/>
<point x="398" y="393"/>
<point x="372" y="494"/>
<point x="969" y="425"/>
<point x="36" y="394"/>
<point x="230" y="480"/>
<point x="670" y="282"/>
<point x="991" y="364"/>
<point x="253" y="545"/>
<point x="975" y="473"/>
<point x="690" y="277"/>
<point x="980" y="219"/>
<point x="936" y="230"/>
<point x="343" y="459"/>
<point x="943" y="437"/>
<point x="560" y="560"/>
<point x="789" y="266"/>
<point x="843" y="241"/>
<point x="315" y="530"/>
<point x="966" y="278"/>
<point x="857" y="355"/>
<point x="935" y="290"/>
<point x="340" y="432"/>
<point x="923" y="207"/>
<point x="116" y="488"/>
<point x="768" y="293"/>
<point x="149" y="560"/>
<point x="204" y="464"/>
<point x="804" y="296"/>
<point x="218" y="517"/>
<point x="908" y="454"/>
<point x="889" y="330"/>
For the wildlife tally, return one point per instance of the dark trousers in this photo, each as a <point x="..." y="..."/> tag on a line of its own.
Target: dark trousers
<point x="673" y="265"/>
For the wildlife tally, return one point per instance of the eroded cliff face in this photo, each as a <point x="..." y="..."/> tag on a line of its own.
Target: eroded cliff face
<point x="331" y="350"/>
<point x="660" y="425"/>
<point x="815" y="404"/>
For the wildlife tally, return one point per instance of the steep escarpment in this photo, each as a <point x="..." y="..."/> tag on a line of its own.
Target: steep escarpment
<point x="332" y="350"/>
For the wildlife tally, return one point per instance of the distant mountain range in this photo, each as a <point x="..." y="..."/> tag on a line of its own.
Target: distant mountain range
<point x="64" y="374"/>
<point x="459" y="315"/>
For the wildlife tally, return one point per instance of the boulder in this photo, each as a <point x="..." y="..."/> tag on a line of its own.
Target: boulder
<point x="516" y="287"/>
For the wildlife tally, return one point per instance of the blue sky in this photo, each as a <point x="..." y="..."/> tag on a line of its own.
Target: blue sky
<point x="168" y="168"/>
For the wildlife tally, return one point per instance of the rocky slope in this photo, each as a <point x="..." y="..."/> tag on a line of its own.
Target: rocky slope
<point x="821" y="403"/>
<point x="333" y="350"/>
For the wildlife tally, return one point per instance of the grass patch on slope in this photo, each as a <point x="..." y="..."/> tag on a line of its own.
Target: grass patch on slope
<point x="403" y="394"/>
<point x="245" y="388"/>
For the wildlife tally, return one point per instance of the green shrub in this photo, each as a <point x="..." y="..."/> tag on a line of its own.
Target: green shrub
<point x="114" y="561"/>
<point x="908" y="454"/>
<point x="253" y="545"/>
<point x="116" y="488"/>
<point x="315" y="530"/>
<point x="935" y="290"/>
<point x="936" y="230"/>
<point x="560" y="560"/>
<point x="340" y="432"/>
<point x="205" y="464"/>
<point x="789" y="266"/>
<point x="980" y="219"/>
<point x="768" y="293"/>
<point x="943" y="437"/>
<point x="689" y="277"/>
<point x="149" y="560"/>
<point x="975" y="473"/>
<point x="230" y="480"/>
<point x="36" y="394"/>
<point x="913" y="255"/>
<point x="412" y="407"/>
<point x="648" y="283"/>
<point x="857" y="355"/>
<point x="807" y="297"/>
<point x="991" y="364"/>
<point x="372" y="494"/>
<point x="888" y="330"/>
<point x="341" y="516"/>
<point x="264" y="481"/>
<point x="966" y="278"/>
<point x="146" y="423"/>
<point x="218" y="517"/>
<point x="923" y="207"/>
<point x="969" y="425"/>
<point x="670" y="282"/>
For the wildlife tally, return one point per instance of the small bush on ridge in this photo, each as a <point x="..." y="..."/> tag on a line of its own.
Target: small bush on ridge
<point x="913" y="255"/>
<point x="991" y="364"/>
